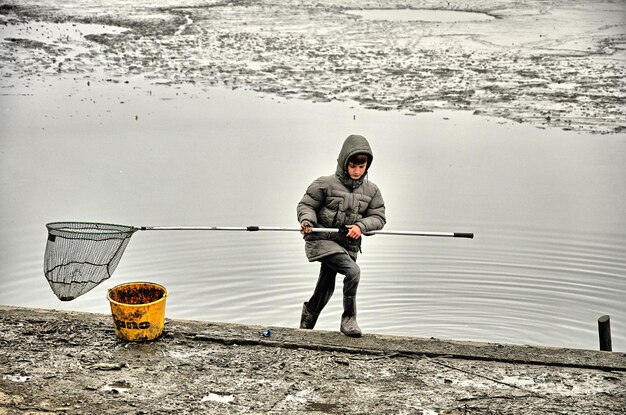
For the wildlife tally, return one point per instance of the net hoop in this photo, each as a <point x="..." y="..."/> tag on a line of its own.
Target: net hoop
<point x="89" y="230"/>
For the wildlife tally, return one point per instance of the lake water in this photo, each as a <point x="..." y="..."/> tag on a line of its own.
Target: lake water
<point x="548" y="209"/>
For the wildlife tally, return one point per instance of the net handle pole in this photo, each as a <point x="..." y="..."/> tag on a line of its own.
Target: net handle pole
<point x="220" y="228"/>
<point x="281" y="229"/>
<point x="468" y="235"/>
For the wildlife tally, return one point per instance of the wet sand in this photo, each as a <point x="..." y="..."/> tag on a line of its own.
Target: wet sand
<point x="72" y="363"/>
<point x="554" y="65"/>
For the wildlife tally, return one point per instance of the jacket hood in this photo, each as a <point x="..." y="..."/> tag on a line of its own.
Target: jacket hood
<point x="352" y="145"/>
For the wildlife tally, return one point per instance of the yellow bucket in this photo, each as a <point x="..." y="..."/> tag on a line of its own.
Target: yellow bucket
<point x="138" y="310"/>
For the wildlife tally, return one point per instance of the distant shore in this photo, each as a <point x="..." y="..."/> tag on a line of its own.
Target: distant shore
<point x="561" y="65"/>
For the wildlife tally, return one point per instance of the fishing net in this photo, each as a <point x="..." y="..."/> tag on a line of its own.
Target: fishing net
<point x="80" y="255"/>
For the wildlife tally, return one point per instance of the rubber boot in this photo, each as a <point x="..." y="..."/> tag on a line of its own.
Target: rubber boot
<point x="308" y="318"/>
<point x="349" y="326"/>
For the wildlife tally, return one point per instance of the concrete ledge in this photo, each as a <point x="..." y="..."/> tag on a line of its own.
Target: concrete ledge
<point x="72" y="363"/>
<point x="373" y="344"/>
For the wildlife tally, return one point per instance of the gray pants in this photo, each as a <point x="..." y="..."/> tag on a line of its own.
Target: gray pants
<point x="332" y="265"/>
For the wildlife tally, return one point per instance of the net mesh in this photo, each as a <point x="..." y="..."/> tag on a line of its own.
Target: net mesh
<point x="81" y="255"/>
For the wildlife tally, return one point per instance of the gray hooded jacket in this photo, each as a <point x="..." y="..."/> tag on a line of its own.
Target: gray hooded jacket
<point x="336" y="201"/>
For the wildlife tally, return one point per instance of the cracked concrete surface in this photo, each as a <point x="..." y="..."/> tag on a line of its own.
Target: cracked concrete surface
<point x="72" y="363"/>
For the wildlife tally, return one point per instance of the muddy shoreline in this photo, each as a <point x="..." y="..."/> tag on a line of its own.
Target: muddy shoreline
<point x="72" y="363"/>
<point x="560" y="65"/>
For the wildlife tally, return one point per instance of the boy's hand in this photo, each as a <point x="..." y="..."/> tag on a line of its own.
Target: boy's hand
<point x="354" y="231"/>
<point x="305" y="227"/>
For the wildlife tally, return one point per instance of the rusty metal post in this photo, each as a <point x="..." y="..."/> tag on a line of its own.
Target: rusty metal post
<point x="604" y="330"/>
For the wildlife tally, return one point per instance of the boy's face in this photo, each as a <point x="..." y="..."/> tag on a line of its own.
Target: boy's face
<point x="355" y="171"/>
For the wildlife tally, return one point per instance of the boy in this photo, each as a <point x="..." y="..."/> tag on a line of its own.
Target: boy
<point x="343" y="200"/>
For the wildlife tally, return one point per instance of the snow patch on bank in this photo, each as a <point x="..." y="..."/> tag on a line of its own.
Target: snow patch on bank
<point x="214" y="397"/>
